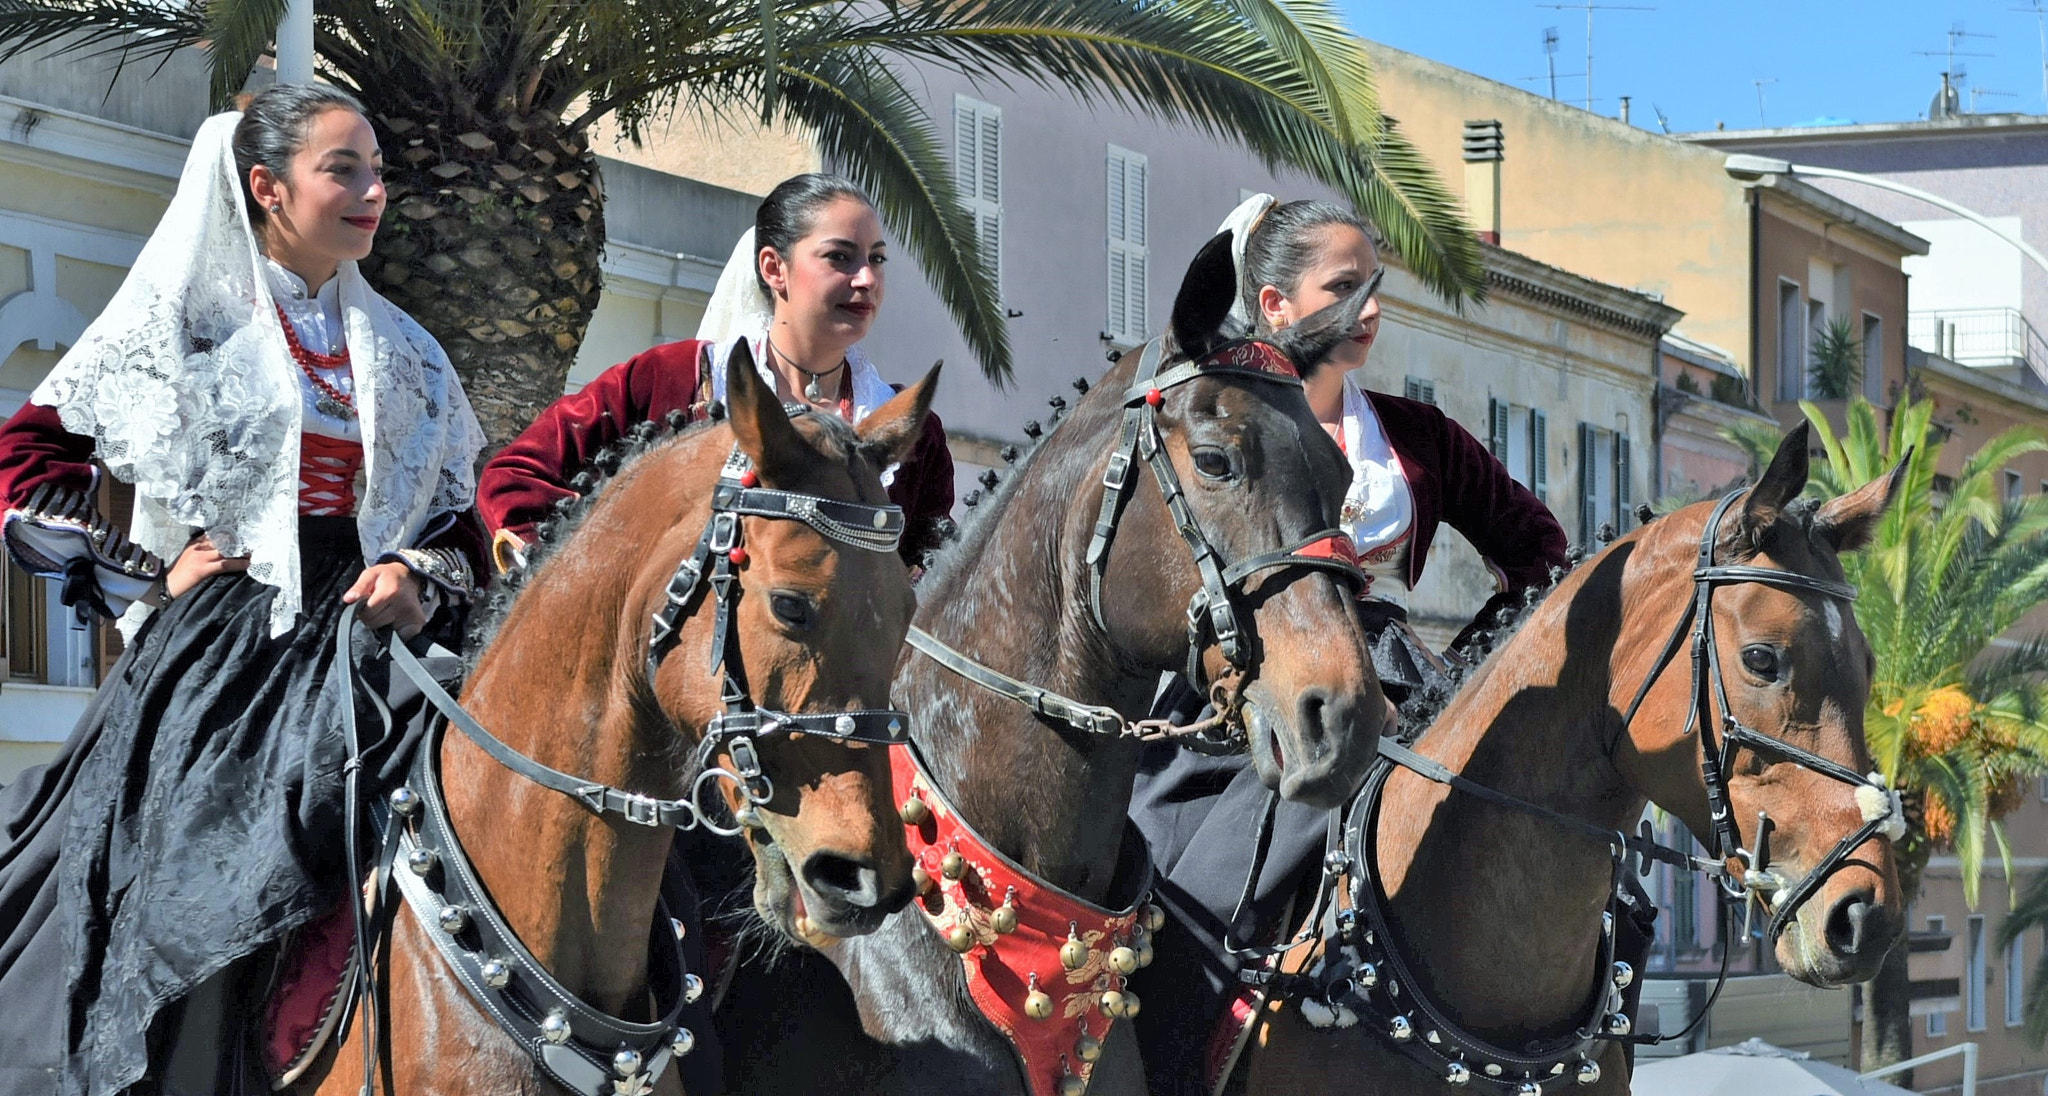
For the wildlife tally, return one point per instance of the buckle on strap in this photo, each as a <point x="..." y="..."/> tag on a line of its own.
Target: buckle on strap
<point x="1118" y="473"/>
<point x="725" y="531"/>
<point x="641" y="809"/>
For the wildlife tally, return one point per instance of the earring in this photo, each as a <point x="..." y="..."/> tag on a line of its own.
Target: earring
<point x="277" y="207"/>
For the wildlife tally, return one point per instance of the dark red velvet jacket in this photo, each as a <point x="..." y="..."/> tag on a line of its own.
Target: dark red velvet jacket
<point x="520" y="484"/>
<point x="1455" y="480"/>
<point x="35" y="449"/>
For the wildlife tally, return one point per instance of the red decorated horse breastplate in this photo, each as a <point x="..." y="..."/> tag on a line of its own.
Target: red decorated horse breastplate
<point x="1045" y="967"/>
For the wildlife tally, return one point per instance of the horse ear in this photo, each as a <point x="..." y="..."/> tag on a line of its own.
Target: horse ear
<point x="761" y="426"/>
<point x="892" y="430"/>
<point x="1848" y="522"/>
<point x="1308" y="342"/>
<point x="1203" y="304"/>
<point x="1781" y="483"/>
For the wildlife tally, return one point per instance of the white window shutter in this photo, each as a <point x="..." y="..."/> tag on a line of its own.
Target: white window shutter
<point x="1589" y="487"/>
<point x="1127" y="259"/>
<point x="1623" y="504"/>
<point x="991" y="154"/>
<point x="1539" y="452"/>
<point x="966" y="142"/>
<point x="1497" y="428"/>
<point x="978" y="137"/>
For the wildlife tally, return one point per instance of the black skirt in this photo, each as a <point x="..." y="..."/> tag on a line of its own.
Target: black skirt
<point x="192" y="819"/>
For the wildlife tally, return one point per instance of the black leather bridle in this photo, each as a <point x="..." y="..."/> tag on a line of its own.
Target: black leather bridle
<point x="1213" y="612"/>
<point x="576" y="1044"/>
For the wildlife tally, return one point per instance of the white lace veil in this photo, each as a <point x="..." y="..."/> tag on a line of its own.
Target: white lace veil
<point x="1240" y="224"/>
<point x="739" y="309"/>
<point x="188" y="390"/>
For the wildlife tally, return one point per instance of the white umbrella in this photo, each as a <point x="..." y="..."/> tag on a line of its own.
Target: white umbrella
<point x="1752" y="1068"/>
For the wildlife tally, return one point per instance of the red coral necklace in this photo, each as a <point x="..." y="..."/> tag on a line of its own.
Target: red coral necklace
<point x="333" y="401"/>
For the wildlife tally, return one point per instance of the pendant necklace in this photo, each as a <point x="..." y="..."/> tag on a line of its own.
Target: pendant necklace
<point x="811" y="390"/>
<point x="332" y="401"/>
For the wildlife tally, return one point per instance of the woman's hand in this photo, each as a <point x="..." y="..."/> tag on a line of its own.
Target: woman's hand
<point x="198" y="562"/>
<point x="390" y="594"/>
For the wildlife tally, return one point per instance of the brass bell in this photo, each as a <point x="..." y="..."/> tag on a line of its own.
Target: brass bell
<point x="954" y="866"/>
<point x="1087" y="1048"/>
<point x="1071" y="1085"/>
<point x="959" y="938"/>
<point x="1003" y="918"/>
<point x="1073" y="953"/>
<point x="914" y="811"/>
<point x="1124" y="960"/>
<point x="1130" y="1005"/>
<point x="1113" y="1002"/>
<point x="1037" y="1003"/>
<point x="1152" y="917"/>
<point x="1145" y="953"/>
<point x="921" y="879"/>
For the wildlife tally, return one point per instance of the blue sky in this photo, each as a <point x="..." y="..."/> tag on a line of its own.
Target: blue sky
<point x="1697" y="59"/>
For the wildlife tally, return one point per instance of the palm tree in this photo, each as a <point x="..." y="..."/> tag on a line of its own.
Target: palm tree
<point x="1955" y="724"/>
<point x="485" y="108"/>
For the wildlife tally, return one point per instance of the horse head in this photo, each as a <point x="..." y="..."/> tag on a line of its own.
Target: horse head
<point x="1257" y="477"/>
<point x="1801" y="826"/>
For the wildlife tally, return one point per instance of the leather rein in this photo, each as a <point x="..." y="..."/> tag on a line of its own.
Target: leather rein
<point x="1367" y="976"/>
<point x="1213" y="612"/>
<point x="576" y="1044"/>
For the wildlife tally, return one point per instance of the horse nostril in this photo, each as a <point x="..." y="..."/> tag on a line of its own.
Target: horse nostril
<point x="1856" y="924"/>
<point x="1311" y="719"/>
<point x="854" y="882"/>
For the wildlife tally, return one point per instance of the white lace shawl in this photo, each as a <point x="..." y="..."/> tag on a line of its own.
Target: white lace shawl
<point x="187" y="388"/>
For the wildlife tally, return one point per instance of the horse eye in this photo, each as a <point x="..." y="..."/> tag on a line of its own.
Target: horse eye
<point x="1760" y="660"/>
<point x="1212" y="462"/>
<point x="792" y="609"/>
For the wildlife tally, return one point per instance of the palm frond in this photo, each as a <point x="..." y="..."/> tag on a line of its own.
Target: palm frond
<point x="131" y="30"/>
<point x="240" y="33"/>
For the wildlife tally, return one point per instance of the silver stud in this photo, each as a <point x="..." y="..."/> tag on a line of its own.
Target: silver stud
<point x="1617" y="1024"/>
<point x="895" y="727"/>
<point x="1528" y="1088"/>
<point x="844" y="724"/>
<point x="1588" y="1072"/>
<point x="1493" y="1069"/>
<point x="453" y="919"/>
<point x="626" y="1062"/>
<point x="1623" y="975"/>
<point x="693" y="988"/>
<point x="1457" y="1074"/>
<point x="1400" y="1029"/>
<point x="685" y="1042"/>
<point x="497" y="973"/>
<point x="405" y="801"/>
<point x="554" y="1027"/>
<point x="1368" y="975"/>
<point x="421" y="861"/>
<point x="678" y="926"/>
<point x="881" y="519"/>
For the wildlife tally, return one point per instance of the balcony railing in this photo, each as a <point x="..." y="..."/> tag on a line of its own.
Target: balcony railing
<point x="1985" y="338"/>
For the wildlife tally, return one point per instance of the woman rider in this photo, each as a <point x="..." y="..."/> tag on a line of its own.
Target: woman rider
<point x="1412" y="469"/>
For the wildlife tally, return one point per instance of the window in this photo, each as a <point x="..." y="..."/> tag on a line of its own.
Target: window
<point x="1127" y="251"/>
<point x="1791" y="342"/>
<point x="1418" y="389"/>
<point x="1604" y="495"/>
<point x="2016" y="981"/>
<point x="1873" y="357"/>
<point x="1518" y="436"/>
<point x="1937" y="1022"/>
<point x="978" y="171"/>
<point x="2015" y="487"/>
<point x="1973" y="989"/>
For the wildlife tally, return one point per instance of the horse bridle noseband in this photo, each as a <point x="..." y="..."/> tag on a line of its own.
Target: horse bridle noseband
<point x="1368" y="975"/>
<point x="1213" y="611"/>
<point x="578" y="1045"/>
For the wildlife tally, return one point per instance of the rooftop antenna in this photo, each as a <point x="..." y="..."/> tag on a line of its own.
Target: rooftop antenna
<point x="1977" y="91"/>
<point x="1956" y="33"/>
<point x="1663" y="123"/>
<point x="1550" y="60"/>
<point x="1589" y="7"/>
<point x="1761" y="124"/>
<point x="2040" y="25"/>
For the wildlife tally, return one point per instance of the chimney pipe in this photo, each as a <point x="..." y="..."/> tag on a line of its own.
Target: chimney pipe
<point x="1624" y="110"/>
<point x="1483" y="150"/>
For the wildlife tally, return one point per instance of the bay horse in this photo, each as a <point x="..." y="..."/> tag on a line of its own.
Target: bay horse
<point x="809" y="621"/>
<point x="1497" y="914"/>
<point x="1008" y="799"/>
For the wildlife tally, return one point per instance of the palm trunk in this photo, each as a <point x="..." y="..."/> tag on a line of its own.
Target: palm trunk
<point x="492" y="240"/>
<point x="1888" y="998"/>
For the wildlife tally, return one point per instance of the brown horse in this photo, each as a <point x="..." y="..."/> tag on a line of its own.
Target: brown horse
<point x="566" y="682"/>
<point x="1499" y="912"/>
<point x="1255" y="473"/>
